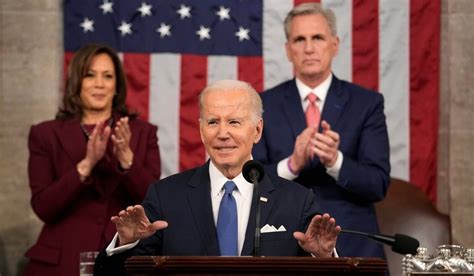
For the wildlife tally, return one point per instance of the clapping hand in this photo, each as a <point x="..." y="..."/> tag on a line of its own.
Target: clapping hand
<point x="301" y="152"/>
<point x="96" y="146"/>
<point x="121" y="140"/>
<point x="326" y="145"/>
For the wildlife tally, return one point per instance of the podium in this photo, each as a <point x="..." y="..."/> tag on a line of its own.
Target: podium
<point x="263" y="266"/>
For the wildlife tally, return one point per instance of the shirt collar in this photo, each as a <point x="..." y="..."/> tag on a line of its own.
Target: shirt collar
<point x="218" y="180"/>
<point x="321" y="90"/>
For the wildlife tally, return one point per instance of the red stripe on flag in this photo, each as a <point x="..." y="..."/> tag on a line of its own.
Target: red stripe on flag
<point x="251" y="71"/>
<point x="137" y="71"/>
<point x="365" y="43"/>
<point x="67" y="60"/>
<point x="424" y="93"/>
<point x="297" y="2"/>
<point x="193" y="81"/>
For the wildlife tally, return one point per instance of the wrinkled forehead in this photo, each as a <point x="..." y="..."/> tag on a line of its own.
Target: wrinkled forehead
<point x="226" y="101"/>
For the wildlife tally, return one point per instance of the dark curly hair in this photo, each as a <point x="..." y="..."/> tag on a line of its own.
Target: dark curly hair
<point x="72" y="106"/>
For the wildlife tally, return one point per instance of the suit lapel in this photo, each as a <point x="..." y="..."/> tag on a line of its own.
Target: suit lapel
<point x="72" y="139"/>
<point x="291" y="104"/>
<point x="266" y="188"/>
<point x="335" y="101"/>
<point x="199" y="198"/>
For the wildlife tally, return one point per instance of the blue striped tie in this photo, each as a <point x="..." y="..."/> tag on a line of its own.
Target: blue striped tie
<point x="227" y="222"/>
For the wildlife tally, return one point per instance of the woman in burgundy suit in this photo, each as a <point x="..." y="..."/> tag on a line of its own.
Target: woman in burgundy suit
<point x="89" y="163"/>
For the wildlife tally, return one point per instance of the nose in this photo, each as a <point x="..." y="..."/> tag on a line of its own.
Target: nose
<point x="99" y="81"/>
<point x="308" y="46"/>
<point x="223" y="131"/>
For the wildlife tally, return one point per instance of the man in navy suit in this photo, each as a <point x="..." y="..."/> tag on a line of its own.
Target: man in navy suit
<point x="180" y="214"/>
<point x="335" y="142"/>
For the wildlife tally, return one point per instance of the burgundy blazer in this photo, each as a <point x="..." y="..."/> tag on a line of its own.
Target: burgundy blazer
<point x="76" y="215"/>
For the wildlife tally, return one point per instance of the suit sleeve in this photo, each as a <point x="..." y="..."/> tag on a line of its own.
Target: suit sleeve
<point x="367" y="174"/>
<point x="51" y="194"/>
<point x="146" y="167"/>
<point x="151" y="246"/>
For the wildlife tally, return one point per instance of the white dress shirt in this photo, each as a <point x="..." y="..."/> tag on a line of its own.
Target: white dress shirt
<point x="243" y="198"/>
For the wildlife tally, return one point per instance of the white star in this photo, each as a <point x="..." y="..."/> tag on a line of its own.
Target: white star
<point x="243" y="34"/>
<point x="106" y="7"/>
<point x="87" y="25"/>
<point x="223" y="13"/>
<point x="145" y="9"/>
<point x="125" y="28"/>
<point x="203" y="33"/>
<point x="164" y="30"/>
<point x="184" y="11"/>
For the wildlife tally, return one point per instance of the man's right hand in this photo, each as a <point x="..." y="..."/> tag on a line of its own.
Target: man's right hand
<point x="301" y="152"/>
<point x="133" y="224"/>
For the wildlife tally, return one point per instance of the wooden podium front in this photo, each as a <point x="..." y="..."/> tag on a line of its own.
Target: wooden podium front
<point x="175" y="265"/>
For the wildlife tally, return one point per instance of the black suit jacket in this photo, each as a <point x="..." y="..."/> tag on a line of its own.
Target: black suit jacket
<point x="184" y="201"/>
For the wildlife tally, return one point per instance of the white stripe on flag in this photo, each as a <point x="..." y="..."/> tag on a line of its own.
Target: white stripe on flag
<point x="165" y="106"/>
<point x="275" y="65"/>
<point x="221" y="68"/>
<point x="342" y="64"/>
<point x="394" y="81"/>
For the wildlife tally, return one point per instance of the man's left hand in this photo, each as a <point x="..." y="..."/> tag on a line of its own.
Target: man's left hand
<point x="326" y="145"/>
<point x="320" y="238"/>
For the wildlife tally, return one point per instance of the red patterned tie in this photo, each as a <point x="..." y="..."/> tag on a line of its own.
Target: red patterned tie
<point x="312" y="111"/>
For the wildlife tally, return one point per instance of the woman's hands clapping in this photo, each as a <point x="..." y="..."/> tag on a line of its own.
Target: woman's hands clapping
<point x="97" y="145"/>
<point x="121" y="140"/>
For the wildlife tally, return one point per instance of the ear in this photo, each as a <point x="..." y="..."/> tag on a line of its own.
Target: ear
<point x="200" y="130"/>
<point x="335" y="45"/>
<point x="259" y="130"/>
<point x="288" y="51"/>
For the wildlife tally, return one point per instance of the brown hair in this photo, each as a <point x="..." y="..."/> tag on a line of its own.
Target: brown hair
<point x="72" y="106"/>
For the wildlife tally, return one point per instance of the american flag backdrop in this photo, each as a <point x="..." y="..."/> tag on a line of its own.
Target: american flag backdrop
<point x="172" y="48"/>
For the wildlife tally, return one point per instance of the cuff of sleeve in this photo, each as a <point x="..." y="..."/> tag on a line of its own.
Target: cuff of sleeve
<point x="334" y="254"/>
<point x="284" y="171"/>
<point x="112" y="250"/>
<point x="336" y="168"/>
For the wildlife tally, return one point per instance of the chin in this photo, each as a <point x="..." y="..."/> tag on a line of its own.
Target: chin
<point x="224" y="162"/>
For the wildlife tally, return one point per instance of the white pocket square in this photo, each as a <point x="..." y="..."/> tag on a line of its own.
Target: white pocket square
<point x="271" y="229"/>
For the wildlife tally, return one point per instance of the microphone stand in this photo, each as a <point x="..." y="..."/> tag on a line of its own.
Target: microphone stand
<point x="256" y="252"/>
<point x="253" y="172"/>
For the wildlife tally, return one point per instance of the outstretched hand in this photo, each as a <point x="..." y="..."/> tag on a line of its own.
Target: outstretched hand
<point x="320" y="238"/>
<point x="132" y="224"/>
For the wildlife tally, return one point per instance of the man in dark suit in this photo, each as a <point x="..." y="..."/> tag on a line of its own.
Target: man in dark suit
<point x="185" y="210"/>
<point x="325" y="133"/>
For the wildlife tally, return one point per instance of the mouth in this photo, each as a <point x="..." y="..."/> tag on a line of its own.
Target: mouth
<point x="99" y="96"/>
<point x="310" y="61"/>
<point x="225" y="149"/>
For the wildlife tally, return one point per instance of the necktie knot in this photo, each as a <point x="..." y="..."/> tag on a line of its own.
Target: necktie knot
<point x="229" y="187"/>
<point x="312" y="98"/>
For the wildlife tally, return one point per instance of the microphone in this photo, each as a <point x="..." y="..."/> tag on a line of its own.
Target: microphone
<point x="253" y="172"/>
<point x="400" y="243"/>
